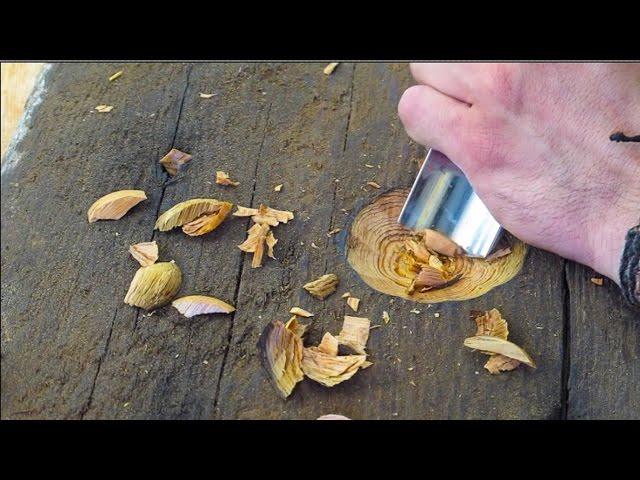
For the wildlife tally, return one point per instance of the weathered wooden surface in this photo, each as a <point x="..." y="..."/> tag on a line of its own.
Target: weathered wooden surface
<point x="72" y="349"/>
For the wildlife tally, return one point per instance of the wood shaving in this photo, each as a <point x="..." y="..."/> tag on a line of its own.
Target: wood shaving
<point x="440" y="243"/>
<point x="415" y="310"/>
<point x="373" y="184"/>
<point x="255" y="243"/>
<point x="193" y="305"/>
<point x="295" y="326"/>
<point x="222" y="178"/>
<point x="328" y="70"/>
<point x="498" y="345"/>
<point x="385" y="317"/>
<point x="346" y="295"/>
<point x="114" y="205"/>
<point x="145" y="253"/>
<point x="329" y="345"/>
<point x="300" y="312"/>
<point x="353" y="302"/>
<point x="104" y="108"/>
<point x="190" y="211"/>
<point x="499" y="363"/>
<point x="154" y="286"/>
<point x="277" y="188"/>
<point x="355" y="333"/>
<point x="330" y="370"/>
<point x="281" y="357"/>
<point x="207" y="95"/>
<point x="116" y="75"/>
<point x="264" y="214"/>
<point x="334" y="231"/>
<point x="313" y="245"/>
<point x="175" y="161"/>
<point x="503" y="252"/>
<point x="368" y="166"/>
<point x="597" y="281"/>
<point x="332" y="416"/>
<point x="492" y="324"/>
<point x="322" y="287"/>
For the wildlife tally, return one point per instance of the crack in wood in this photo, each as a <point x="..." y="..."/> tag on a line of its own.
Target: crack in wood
<point x="566" y="344"/>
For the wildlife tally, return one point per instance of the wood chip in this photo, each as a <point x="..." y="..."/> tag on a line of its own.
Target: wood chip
<point x="145" y="253"/>
<point x="334" y="231"/>
<point x="154" y="286"/>
<point x="440" y="243"/>
<point x="330" y="370"/>
<point x="328" y="70"/>
<point x="114" y="205"/>
<point x="497" y="345"/>
<point x="297" y="327"/>
<point x="197" y="216"/>
<point x="368" y="166"/>
<point x="323" y="286"/>
<point x="492" y="324"/>
<point x="300" y="312"/>
<point x="346" y="295"/>
<point x="329" y="345"/>
<point x="222" y="178"/>
<point x="597" y="281"/>
<point x="277" y="188"/>
<point x="353" y="302"/>
<point x="264" y="214"/>
<point x="255" y="243"/>
<point x="355" y="333"/>
<point x="499" y="363"/>
<point x="116" y="75"/>
<point x="385" y="317"/>
<point x="415" y="310"/>
<point x="104" y="108"/>
<point x="281" y="357"/>
<point x="175" y="161"/>
<point x="373" y="184"/>
<point x="193" y="305"/>
<point x="207" y="95"/>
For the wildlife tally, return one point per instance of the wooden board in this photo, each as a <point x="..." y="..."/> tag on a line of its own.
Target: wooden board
<point x="72" y="349"/>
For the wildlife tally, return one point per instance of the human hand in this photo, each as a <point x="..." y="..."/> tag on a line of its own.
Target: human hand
<point x="533" y="139"/>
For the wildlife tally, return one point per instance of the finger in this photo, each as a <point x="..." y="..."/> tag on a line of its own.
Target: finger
<point x="452" y="79"/>
<point x="434" y="119"/>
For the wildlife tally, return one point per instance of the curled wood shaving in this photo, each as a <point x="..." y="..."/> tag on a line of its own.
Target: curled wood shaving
<point x="355" y="333"/>
<point x="146" y="253"/>
<point x="328" y="70"/>
<point x="329" y="345"/>
<point x="191" y="210"/>
<point x="114" y="205"/>
<point x="264" y="214"/>
<point x="104" y="108"/>
<point x="116" y="75"/>
<point x="281" y="357"/>
<point x="322" y="287"/>
<point x="174" y="161"/>
<point x="207" y="95"/>
<point x="222" y="178"/>
<point x="330" y="370"/>
<point x="353" y="302"/>
<point x="193" y="305"/>
<point x="492" y="324"/>
<point x="154" y="286"/>
<point x="440" y="243"/>
<point x="373" y="184"/>
<point x="498" y="345"/>
<point x="503" y="252"/>
<point x="300" y="312"/>
<point x="499" y="363"/>
<point x="255" y="243"/>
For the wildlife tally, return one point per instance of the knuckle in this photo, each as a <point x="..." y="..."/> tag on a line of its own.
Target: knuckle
<point x="503" y="83"/>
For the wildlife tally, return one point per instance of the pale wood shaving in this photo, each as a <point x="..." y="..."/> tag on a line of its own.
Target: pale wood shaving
<point x="373" y="184"/>
<point x="277" y="188"/>
<point x="498" y="345"/>
<point x="114" y="205"/>
<point x="355" y="333"/>
<point x="264" y="214"/>
<point x="300" y="312"/>
<point x="116" y="75"/>
<point x="193" y="305"/>
<point x="281" y="357"/>
<point x="328" y="70"/>
<point x="353" y="302"/>
<point x="154" y="286"/>
<point x="503" y="252"/>
<point x="329" y="345"/>
<point x="385" y="317"/>
<point x="191" y="210"/>
<point x="499" y="363"/>
<point x="104" y="108"/>
<point x="323" y="286"/>
<point x="207" y="95"/>
<point x="145" y="253"/>
<point x="255" y="243"/>
<point x="330" y="370"/>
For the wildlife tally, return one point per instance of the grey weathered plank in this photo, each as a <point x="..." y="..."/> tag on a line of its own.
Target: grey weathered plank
<point x="157" y="365"/>
<point x="63" y="280"/>
<point x="443" y="370"/>
<point x="604" y="367"/>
